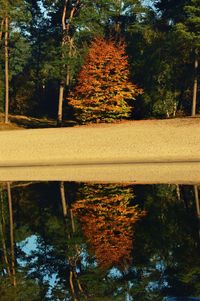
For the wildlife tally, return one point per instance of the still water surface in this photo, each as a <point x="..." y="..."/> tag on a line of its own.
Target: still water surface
<point x="98" y="242"/>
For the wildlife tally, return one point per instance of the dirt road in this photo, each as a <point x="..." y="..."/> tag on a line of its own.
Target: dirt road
<point x="136" y="143"/>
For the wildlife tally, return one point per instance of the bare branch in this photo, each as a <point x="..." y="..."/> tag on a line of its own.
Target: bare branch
<point x="64" y="15"/>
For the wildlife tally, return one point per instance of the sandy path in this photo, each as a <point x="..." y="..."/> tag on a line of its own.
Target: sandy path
<point x="130" y="142"/>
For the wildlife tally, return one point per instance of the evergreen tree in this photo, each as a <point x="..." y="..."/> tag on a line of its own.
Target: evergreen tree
<point x="189" y="32"/>
<point x="181" y="18"/>
<point x="13" y="17"/>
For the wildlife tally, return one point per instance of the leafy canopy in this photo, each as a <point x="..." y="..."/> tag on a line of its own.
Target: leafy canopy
<point x="104" y="87"/>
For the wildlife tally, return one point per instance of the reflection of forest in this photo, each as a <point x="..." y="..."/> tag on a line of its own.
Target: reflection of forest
<point x="70" y="241"/>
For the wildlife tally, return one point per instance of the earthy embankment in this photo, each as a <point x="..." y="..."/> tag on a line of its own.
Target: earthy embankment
<point x="137" y="151"/>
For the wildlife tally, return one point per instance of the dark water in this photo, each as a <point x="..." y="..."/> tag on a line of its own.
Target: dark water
<point x="75" y="241"/>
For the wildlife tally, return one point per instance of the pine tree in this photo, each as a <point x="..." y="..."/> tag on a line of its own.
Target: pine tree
<point x="189" y="32"/>
<point x="13" y="17"/>
<point x="104" y="87"/>
<point x="183" y="19"/>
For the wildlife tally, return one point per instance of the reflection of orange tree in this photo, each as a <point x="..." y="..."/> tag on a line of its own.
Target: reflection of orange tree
<point x="107" y="220"/>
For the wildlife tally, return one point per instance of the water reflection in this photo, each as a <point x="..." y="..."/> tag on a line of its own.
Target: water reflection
<point x="75" y="241"/>
<point x="107" y="220"/>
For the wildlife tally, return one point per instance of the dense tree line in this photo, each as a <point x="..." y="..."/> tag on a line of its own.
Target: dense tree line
<point x="43" y="45"/>
<point x="139" y="242"/>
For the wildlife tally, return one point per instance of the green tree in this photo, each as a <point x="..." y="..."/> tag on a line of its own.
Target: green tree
<point x="181" y="18"/>
<point x="154" y="61"/>
<point x="189" y="32"/>
<point x="14" y="281"/>
<point x="13" y="17"/>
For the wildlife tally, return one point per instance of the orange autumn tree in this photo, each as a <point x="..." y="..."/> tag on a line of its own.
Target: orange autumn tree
<point x="104" y="87"/>
<point x="107" y="220"/>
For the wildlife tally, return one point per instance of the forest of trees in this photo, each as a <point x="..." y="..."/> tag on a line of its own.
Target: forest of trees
<point x="139" y="242"/>
<point x="44" y="44"/>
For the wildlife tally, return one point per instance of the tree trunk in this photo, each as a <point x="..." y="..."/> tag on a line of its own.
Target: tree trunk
<point x="174" y="108"/>
<point x="78" y="283"/>
<point x="65" y="211"/>
<point x="12" y="242"/>
<point x="1" y="29"/>
<point x="62" y="86"/>
<point x="178" y="192"/>
<point x="194" y="100"/>
<point x="74" y="282"/>
<point x="6" y="71"/>
<point x="66" y="40"/>
<point x="2" y="231"/>
<point x="72" y="286"/>
<point x="72" y="220"/>
<point x="63" y="199"/>
<point x="196" y="194"/>
<point x="60" y="104"/>
<point x="71" y="46"/>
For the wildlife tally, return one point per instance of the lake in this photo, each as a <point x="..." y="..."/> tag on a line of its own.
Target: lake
<point x="99" y="241"/>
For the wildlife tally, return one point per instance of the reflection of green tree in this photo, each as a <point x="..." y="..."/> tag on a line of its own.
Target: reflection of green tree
<point x="56" y="244"/>
<point x="166" y="253"/>
<point x="14" y="283"/>
<point x="57" y="255"/>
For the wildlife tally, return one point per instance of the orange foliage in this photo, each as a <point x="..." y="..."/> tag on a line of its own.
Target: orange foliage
<point x="103" y="84"/>
<point x="107" y="222"/>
